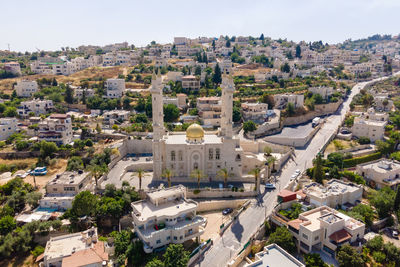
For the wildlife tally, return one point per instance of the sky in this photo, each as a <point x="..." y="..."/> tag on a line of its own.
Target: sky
<point x="28" y="25"/>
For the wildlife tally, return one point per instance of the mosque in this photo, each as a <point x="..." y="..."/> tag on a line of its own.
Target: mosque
<point x="208" y="152"/>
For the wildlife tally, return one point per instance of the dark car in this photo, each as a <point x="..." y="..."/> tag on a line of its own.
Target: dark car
<point x="227" y="211"/>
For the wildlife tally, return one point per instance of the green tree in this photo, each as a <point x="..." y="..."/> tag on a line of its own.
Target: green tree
<point x="217" y="77"/>
<point x="383" y="201"/>
<point x="376" y="243"/>
<point x="256" y="173"/>
<point x="126" y="103"/>
<point x="97" y="170"/>
<point x="84" y="204"/>
<point x="396" y="205"/>
<point x="75" y="163"/>
<point x="10" y="112"/>
<point x="298" y="51"/>
<point x="285" y="68"/>
<point x="7" y="224"/>
<point x="318" y="174"/>
<point x="155" y="263"/>
<point x="47" y="149"/>
<point x="283" y="238"/>
<point x="69" y="95"/>
<point x="314" y="260"/>
<point x="290" y="109"/>
<point x="228" y="43"/>
<point x="176" y="256"/>
<point x="171" y="113"/>
<point x="168" y="174"/>
<point x="236" y="115"/>
<point x="224" y="173"/>
<point x="197" y="174"/>
<point x="349" y="257"/>
<point x="139" y="174"/>
<point x="249" y="126"/>
<point x="122" y="240"/>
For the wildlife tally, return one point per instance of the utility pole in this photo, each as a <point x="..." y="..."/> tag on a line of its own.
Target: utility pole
<point x="9" y="50"/>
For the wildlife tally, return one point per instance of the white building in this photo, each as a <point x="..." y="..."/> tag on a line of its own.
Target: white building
<point x="324" y="91"/>
<point x="115" y="88"/>
<point x="56" y="128"/>
<point x="372" y="129"/>
<point x="36" y="106"/>
<point x="26" y="88"/>
<point x="209" y="109"/>
<point x="380" y="173"/>
<point x="165" y="217"/>
<point x="8" y="126"/>
<point x="281" y="101"/>
<point x="116" y="116"/>
<point x="13" y="67"/>
<point x="77" y="249"/>
<point x="78" y="92"/>
<point x="335" y="193"/>
<point x="68" y="183"/>
<point x="325" y="229"/>
<point x="56" y="202"/>
<point x="254" y="111"/>
<point x="191" y="83"/>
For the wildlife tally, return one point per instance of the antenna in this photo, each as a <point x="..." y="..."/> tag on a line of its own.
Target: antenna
<point x="8" y="47"/>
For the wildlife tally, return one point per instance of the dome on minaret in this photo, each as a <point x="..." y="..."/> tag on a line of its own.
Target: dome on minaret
<point x="194" y="131"/>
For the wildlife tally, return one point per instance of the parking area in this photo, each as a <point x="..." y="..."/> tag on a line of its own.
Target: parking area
<point x="214" y="221"/>
<point x="388" y="238"/>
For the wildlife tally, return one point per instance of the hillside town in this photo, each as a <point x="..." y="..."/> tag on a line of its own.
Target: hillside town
<point x="209" y="151"/>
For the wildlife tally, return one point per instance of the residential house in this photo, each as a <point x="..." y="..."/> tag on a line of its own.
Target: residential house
<point x="77" y="249"/>
<point x="380" y="173"/>
<point x="372" y="129"/>
<point x="256" y="112"/>
<point x="56" y="128"/>
<point x="115" y="116"/>
<point x="115" y="88"/>
<point x="35" y="106"/>
<point x="209" y="109"/>
<point x="68" y="183"/>
<point x="13" y="67"/>
<point x="325" y="229"/>
<point x="281" y="101"/>
<point x="165" y="217"/>
<point x="324" y="91"/>
<point x="335" y="193"/>
<point x="8" y="126"/>
<point x="78" y="92"/>
<point x="26" y="88"/>
<point x="190" y="82"/>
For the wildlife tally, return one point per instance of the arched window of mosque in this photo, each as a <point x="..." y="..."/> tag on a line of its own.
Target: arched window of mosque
<point x="237" y="157"/>
<point x="173" y="155"/>
<point x="195" y="165"/>
<point x="217" y="153"/>
<point x="180" y="155"/>
<point x="210" y="154"/>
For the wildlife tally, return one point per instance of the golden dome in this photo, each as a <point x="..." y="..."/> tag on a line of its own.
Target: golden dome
<point x="194" y="131"/>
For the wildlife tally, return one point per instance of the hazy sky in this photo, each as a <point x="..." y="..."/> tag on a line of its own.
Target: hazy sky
<point x="52" y="24"/>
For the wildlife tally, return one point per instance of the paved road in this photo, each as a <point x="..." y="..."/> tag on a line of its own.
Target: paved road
<point x="234" y="238"/>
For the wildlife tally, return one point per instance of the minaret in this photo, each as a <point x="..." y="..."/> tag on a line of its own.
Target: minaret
<point x="158" y="123"/>
<point x="228" y="88"/>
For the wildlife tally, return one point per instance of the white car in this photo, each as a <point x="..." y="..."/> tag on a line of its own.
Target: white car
<point x="297" y="171"/>
<point x="294" y="176"/>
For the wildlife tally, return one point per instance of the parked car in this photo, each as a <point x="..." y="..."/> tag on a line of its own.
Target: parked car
<point x="39" y="171"/>
<point x="270" y="186"/>
<point x="227" y="211"/>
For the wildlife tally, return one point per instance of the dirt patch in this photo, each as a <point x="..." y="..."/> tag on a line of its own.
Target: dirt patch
<point x="41" y="181"/>
<point x="214" y="221"/>
<point x="26" y="260"/>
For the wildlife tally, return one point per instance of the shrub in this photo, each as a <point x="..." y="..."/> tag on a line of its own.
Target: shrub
<point x="347" y="163"/>
<point x="37" y="251"/>
<point x="196" y="191"/>
<point x="364" y="140"/>
<point x="379" y="256"/>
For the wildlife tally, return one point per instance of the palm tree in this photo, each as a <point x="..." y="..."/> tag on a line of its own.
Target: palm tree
<point x="270" y="161"/>
<point x="224" y="174"/>
<point x="267" y="151"/>
<point x="97" y="171"/>
<point x="139" y="173"/>
<point x="198" y="174"/>
<point x="168" y="174"/>
<point x="256" y="172"/>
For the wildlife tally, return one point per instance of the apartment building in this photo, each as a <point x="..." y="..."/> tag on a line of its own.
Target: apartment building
<point x="380" y="173"/>
<point x="13" y="67"/>
<point x="256" y="112"/>
<point x="56" y="202"/>
<point x="190" y="82"/>
<point x="383" y="103"/>
<point x="324" y="91"/>
<point x="68" y="183"/>
<point x="325" y="229"/>
<point x="77" y="249"/>
<point x="115" y="88"/>
<point x="273" y="256"/>
<point x="165" y="217"/>
<point x="8" y="126"/>
<point x="209" y="109"/>
<point x="78" y="92"/>
<point x="36" y="106"/>
<point x="180" y="100"/>
<point x="26" y="88"/>
<point x="174" y="76"/>
<point x="336" y="193"/>
<point x="372" y="129"/>
<point x="57" y="128"/>
<point x="281" y="101"/>
<point x="39" y="67"/>
<point x="116" y="116"/>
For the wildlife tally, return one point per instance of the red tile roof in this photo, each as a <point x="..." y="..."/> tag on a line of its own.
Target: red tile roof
<point x="96" y="254"/>
<point x="295" y="223"/>
<point x="340" y="236"/>
<point x="286" y="193"/>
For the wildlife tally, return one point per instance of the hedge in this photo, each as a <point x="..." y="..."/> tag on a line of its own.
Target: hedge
<point x="347" y="163"/>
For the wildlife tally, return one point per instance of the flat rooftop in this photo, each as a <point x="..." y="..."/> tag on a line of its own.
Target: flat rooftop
<point x="144" y="209"/>
<point x="166" y="193"/>
<point x="181" y="139"/>
<point x="333" y="187"/>
<point x="62" y="246"/>
<point x="68" y="178"/>
<point x="275" y="256"/>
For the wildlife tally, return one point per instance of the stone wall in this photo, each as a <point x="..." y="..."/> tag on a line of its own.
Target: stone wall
<point x="216" y="193"/>
<point x="320" y="110"/>
<point x="211" y="205"/>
